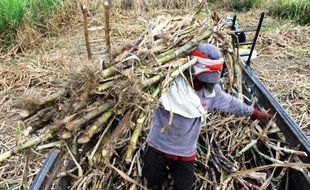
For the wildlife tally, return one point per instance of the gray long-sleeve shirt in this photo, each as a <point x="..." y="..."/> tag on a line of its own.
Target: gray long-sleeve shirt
<point x="181" y="138"/>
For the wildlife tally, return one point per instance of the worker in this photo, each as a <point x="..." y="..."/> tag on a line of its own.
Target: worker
<point x="176" y="123"/>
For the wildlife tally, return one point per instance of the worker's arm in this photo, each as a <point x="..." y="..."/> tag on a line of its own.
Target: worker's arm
<point x="229" y="104"/>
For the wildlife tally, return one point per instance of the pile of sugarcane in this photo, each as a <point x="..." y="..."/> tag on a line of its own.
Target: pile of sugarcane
<point x="100" y="118"/>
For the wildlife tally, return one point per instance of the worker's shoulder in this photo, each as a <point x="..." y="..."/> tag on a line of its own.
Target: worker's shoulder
<point x="218" y="88"/>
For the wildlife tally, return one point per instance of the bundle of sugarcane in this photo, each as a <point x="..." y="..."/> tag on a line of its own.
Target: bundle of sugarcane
<point x="100" y="117"/>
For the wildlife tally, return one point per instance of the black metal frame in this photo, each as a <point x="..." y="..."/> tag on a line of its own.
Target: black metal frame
<point x="293" y="134"/>
<point x="262" y="15"/>
<point x="50" y="168"/>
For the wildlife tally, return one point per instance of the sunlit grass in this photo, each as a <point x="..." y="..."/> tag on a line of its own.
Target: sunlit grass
<point x="244" y="5"/>
<point x="14" y="14"/>
<point x="11" y="17"/>
<point x="298" y="10"/>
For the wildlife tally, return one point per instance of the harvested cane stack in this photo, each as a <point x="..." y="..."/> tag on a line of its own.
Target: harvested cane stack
<point x="100" y="118"/>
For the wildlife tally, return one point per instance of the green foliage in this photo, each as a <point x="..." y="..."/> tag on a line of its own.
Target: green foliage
<point x="40" y="9"/>
<point x="11" y="17"/>
<point x="298" y="10"/>
<point x="16" y="13"/>
<point x="242" y="5"/>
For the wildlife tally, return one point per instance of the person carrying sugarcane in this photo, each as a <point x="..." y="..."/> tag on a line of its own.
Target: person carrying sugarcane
<point x="176" y="122"/>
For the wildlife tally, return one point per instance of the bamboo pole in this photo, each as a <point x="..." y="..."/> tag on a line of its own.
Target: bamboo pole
<point x="107" y="30"/>
<point x="86" y="35"/>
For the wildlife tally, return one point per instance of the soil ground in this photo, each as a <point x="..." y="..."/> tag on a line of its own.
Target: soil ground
<point x="283" y="65"/>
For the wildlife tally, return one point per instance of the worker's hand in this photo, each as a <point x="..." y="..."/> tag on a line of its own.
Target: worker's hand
<point x="128" y="47"/>
<point x="261" y="116"/>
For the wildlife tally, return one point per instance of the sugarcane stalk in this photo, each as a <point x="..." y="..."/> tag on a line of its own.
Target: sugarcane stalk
<point x="177" y="72"/>
<point x="29" y="143"/>
<point x="268" y="157"/>
<point x="97" y="157"/>
<point x="148" y="82"/>
<point x="162" y="58"/>
<point x="109" y="72"/>
<point x="25" y="170"/>
<point x="137" y="130"/>
<point x="247" y="184"/>
<point x="238" y="75"/>
<point x="19" y="132"/>
<point x="41" y="118"/>
<point x="42" y="102"/>
<point x="151" y="81"/>
<point x="229" y="65"/>
<point x="95" y="127"/>
<point x="116" y="133"/>
<point x="63" y="122"/>
<point x="135" y="136"/>
<point x="166" y="57"/>
<point x="44" y="137"/>
<point x="80" y="170"/>
<point x="287" y="150"/>
<point x="246" y="148"/>
<point x="50" y="145"/>
<point x="52" y="98"/>
<point x="66" y="135"/>
<point x="105" y="86"/>
<point x="49" y="133"/>
<point x="75" y="124"/>
<point x="237" y="67"/>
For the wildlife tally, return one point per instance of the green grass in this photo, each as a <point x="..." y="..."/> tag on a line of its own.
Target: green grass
<point x="14" y="14"/>
<point x="11" y="18"/>
<point x="298" y="10"/>
<point x="40" y="9"/>
<point x="244" y="5"/>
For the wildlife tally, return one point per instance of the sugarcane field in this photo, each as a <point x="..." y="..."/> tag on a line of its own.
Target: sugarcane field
<point x="155" y="94"/>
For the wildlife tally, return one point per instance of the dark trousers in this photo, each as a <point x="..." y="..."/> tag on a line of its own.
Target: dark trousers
<point x="156" y="168"/>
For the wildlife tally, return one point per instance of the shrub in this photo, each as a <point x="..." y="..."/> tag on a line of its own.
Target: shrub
<point x="15" y="14"/>
<point x="242" y="5"/>
<point x="298" y="10"/>
<point x="11" y="18"/>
